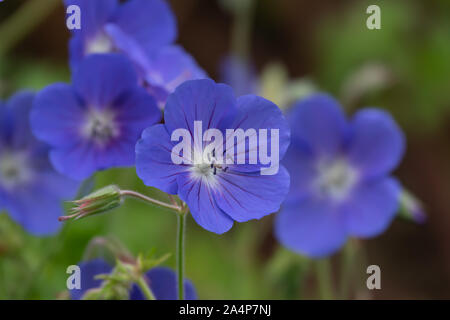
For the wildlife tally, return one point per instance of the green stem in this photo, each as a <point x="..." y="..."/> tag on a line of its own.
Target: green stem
<point x="323" y="271"/>
<point x="346" y="270"/>
<point x="241" y="34"/>
<point x="143" y="285"/>
<point x="28" y="16"/>
<point x="137" y="195"/>
<point x="180" y="254"/>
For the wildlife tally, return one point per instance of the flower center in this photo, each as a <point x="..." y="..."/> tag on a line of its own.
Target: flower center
<point x="203" y="169"/>
<point x="335" y="179"/>
<point x="99" y="44"/>
<point x="13" y="170"/>
<point x="206" y="167"/>
<point x="101" y="126"/>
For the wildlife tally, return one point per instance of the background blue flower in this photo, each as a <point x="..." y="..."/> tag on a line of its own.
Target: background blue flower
<point x="136" y="28"/>
<point x="161" y="280"/>
<point x="216" y="196"/>
<point x="239" y="74"/>
<point x="340" y="176"/>
<point x="167" y="68"/>
<point x="94" y="123"/>
<point x="30" y="189"/>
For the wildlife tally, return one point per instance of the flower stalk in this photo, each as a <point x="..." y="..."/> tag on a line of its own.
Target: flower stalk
<point x="145" y="288"/>
<point x="323" y="271"/>
<point x="109" y="198"/>
<point x="137" y="195"/>
<point x="180" y="253"/>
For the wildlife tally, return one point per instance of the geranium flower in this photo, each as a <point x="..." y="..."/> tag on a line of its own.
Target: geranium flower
<point x="135" y="28"/>
<point x="94" y="123"/>
<point x="216" y="193"/>
<point x="161" y="280"/>
<point x="31" y="191"/>
<point x="340" y="176"/>
<point x="167" y="68"/>
<point x="239" y="74"/>
<point x="143" y="30"/>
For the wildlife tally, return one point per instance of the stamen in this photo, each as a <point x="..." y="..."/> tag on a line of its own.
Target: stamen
<point x="101" y="126"/>
<point x="209" y="167"/>
<point x="100" y="44"/>
<point x="14" y="169"/>
<point x="335" y="179"/>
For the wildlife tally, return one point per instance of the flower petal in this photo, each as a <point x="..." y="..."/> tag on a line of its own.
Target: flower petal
<point x="163" y="283"/>
<point x="77" y="162"/>
<point x="258" y="113"/>
<point x="371" y="207"/>
<point x="200" y="200"/>
<point x="246" y="196"/>
<point x="302" y="167"/>
<point x="35" y="209"/>
<point x="239" y="74"/>
<point x="153" y="160"/>
<point x="377" y="143"/>
<point x="56" y="116"/>
<point x="200" y="100"/>
<point x="100" y="79"/>
<point x="15" y="129"/>
<point x="54" y="184"/>
<point x="318" y="123"/>
<point x="171" y="66"/>
<point x="76" y="50"/>
<point x="150" y="23"/>
<point x="128" y="46"/>
<point x="5" y="123"/>
<point x="137" y="111"/>
<point x="310" y="226"/>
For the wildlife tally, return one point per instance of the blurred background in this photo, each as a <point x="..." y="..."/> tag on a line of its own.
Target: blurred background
<point x="304" y="45"/>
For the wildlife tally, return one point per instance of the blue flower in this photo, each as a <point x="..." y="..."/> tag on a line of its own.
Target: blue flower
<point x="216" y="193"/>
<point x="239" y="74"/>
<point x="94" y="123"/>
<point x="161" y="280"/>
<point x="135" y="28"/>
<point x="30" y="189"/>
<point x="340" y="176"/>
<point x="166" y="69"/>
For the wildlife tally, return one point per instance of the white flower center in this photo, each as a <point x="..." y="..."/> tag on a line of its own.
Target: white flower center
<point x="100" y="44"/>
<point x="335" y="179"/>
<point x="14" y="170"/>
<point x="206" y="167"/>
<point x="100" y="126"/>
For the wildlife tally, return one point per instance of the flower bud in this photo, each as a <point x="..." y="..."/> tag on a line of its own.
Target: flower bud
<point x="97" y="202"/>
<point x="411" y="208"/>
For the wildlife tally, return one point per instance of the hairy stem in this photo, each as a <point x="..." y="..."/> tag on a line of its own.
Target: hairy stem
<point x="323" y="271"/>
<point x="180" y="254"/>
<point x="137" y="195"/>
<point x="348" y="256"/>
<point x="143" y="285"/>
<point x="241" y="33"/>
